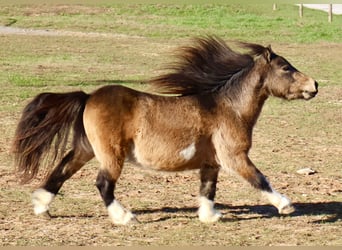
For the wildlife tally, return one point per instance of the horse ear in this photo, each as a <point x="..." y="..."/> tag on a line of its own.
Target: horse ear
<point x="268" y="54"/>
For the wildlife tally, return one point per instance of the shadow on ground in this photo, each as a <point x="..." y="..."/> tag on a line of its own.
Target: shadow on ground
<point x="332" y="211"/>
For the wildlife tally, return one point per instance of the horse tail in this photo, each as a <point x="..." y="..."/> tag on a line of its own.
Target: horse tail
<point x="43" y="130"/>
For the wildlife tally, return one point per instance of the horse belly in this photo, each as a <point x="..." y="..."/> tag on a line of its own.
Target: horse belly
<point x="166" y="157"/>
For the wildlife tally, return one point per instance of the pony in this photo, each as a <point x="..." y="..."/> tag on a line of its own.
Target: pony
<point x="200" y="116"/>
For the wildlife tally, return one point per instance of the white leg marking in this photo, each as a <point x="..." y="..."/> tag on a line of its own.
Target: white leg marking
<point x="41" y="200"/>
<point x="281" y="202"/>
<point x="188" y="152"/>
<point x="206" y="211"/>
<point x="118" y="214"/>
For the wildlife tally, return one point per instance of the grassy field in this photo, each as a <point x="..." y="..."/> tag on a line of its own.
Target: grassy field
<point x="255" y="22"/>
<point x="71" y="47"/>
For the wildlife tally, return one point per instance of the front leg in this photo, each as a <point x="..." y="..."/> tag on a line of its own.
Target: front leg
<point x="232" y="153"/>
<point x="244" y="167"/>
<point x="206" y="211"/>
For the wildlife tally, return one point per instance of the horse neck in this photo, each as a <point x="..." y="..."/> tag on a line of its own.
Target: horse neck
<point x="251" y="96"/>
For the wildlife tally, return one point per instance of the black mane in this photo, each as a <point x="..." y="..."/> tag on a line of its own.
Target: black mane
<point x="206" y="67"/>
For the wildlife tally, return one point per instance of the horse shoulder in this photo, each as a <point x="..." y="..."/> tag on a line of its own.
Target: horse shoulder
<point x="232" y="134"/>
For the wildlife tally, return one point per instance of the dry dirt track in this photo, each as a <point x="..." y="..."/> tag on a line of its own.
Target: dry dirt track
<point x="7" y="30"/>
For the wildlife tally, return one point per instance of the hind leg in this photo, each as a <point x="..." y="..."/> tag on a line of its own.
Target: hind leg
<point x="117" y="213"/>
<point x="106" y="180"/>
<point x="68" y="166"/>
<point x="206" y="211"/>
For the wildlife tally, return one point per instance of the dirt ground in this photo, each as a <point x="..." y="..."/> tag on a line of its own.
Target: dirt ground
<point x="289" y="136"/>
<point x="166" y="205"/>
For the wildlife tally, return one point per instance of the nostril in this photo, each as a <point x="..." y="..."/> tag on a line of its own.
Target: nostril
<point x="316" y="85"/>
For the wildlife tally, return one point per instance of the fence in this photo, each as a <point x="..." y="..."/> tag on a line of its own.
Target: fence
<point x="330" y="11"/>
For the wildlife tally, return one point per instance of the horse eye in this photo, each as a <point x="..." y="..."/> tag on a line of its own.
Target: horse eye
<point x="286" y="68"/>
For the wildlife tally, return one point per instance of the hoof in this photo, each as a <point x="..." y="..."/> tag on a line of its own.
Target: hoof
<point x="45" y="215"/>
<point x="133" y="221"/>
<point x="119" y="215"/>
<point x="127" y="219"/>
<point x="285" y="206"/>
<point x="210" y="218"/>
<point x="281" y="202"/>
<point x="41" y="200"/>
<point x="206" y="211"/>
<point x="289" y="209"/>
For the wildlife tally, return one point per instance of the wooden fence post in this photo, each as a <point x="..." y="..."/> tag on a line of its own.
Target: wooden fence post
<point x="301" y="10"/>
<point x="330" y="14"/>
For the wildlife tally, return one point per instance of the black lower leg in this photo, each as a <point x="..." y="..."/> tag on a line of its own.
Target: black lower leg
<point x="208" y="181"/>
<point x="106" y="186"/>
<point x="58" y="176"/>
<point x="68" y="166"/>
<point x="247" y="170"/>
<point x="259" y="181"/>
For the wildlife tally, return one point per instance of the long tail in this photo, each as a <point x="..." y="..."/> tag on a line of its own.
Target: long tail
<point x="44" y="128"/>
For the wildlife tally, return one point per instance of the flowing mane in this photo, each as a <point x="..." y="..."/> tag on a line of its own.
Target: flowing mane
<point x="206" y="67"/>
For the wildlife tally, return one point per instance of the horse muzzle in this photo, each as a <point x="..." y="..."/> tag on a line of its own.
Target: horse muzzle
<point x="308" y="94"/>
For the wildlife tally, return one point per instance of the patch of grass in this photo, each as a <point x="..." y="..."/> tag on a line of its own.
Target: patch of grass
<point x="257" y="22"/>
<point x="10" y="21"/>
<point x="24" y="80"/>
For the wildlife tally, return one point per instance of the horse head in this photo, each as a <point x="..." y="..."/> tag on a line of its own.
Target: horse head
<point x="284" y="80"/>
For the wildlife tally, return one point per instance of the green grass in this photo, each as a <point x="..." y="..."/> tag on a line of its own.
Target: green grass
<point x="19" y="80"/>
<point x="255" y="22"/>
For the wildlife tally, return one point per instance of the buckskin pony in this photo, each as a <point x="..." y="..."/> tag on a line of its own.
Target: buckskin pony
<point x="201" y="116"/>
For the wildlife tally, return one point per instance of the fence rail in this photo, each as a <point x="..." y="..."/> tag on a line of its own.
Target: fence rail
<point x="324" y="7"/>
